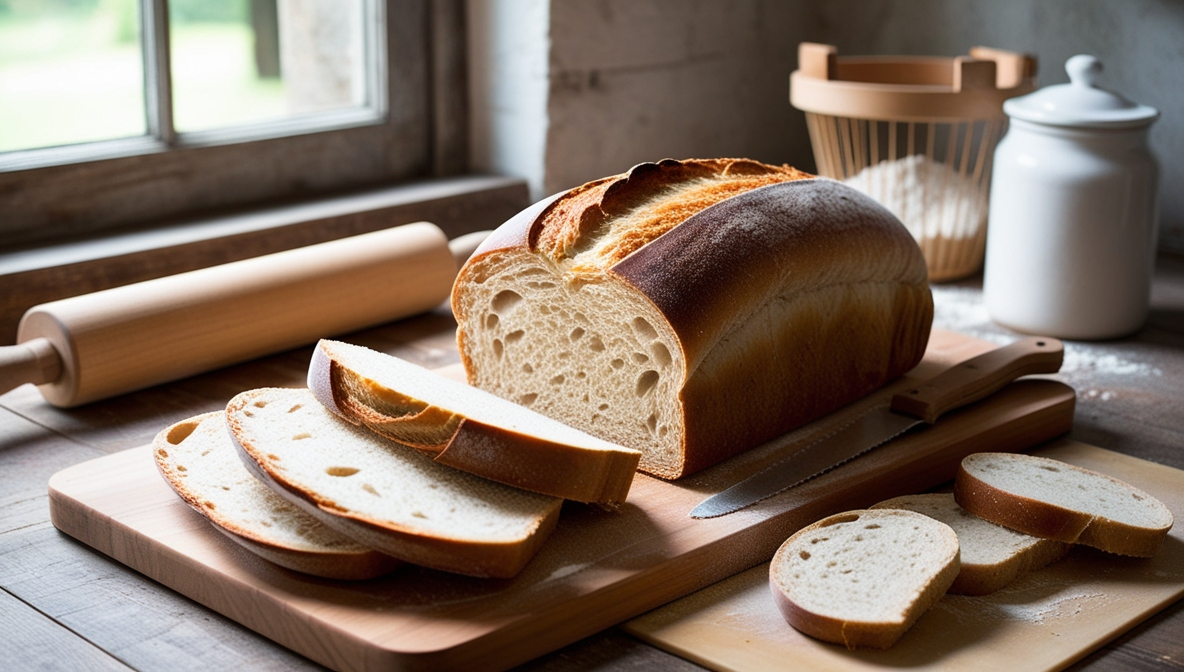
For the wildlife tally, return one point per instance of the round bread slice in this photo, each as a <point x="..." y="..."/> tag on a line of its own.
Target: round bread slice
<point x="385" y="495"/>
<point x="198" y="460"/>
<point x="992" y="556"/>
<point x="862" y="578"/>
<point x="1054" y="500"/>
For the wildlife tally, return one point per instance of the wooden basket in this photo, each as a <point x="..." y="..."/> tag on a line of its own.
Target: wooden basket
<point x="917" y="134"/>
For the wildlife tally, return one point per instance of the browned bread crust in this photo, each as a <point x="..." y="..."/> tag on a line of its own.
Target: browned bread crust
<point x="776" y="297"/>
<point x="1042" y="511"/>
<point x="992" y="556"/>
<point x="468" y="429"/>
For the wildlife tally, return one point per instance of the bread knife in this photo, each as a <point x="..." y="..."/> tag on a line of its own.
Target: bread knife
<point x="922" y="405"/>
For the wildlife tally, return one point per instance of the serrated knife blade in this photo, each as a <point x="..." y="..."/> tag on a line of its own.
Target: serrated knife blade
<point x="957" y="386"/>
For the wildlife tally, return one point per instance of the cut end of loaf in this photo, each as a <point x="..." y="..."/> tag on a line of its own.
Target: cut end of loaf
<point x="590" y="353"/>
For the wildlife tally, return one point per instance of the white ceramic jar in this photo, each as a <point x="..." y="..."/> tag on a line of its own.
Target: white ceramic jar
<point x="1071" y="233"/>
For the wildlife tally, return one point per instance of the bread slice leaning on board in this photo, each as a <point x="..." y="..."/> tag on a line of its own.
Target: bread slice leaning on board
<point x="387" y="496"/>
<point x="862" y="578"/>
<point x="199" y="461"/>
<point x="693" y="309"/>
<point x="992" y="556"/>
<point x="1054" y="500"/>
<point x="467" y="428"/>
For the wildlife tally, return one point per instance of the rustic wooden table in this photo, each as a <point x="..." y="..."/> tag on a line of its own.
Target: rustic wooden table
<point x="64" y="606"/>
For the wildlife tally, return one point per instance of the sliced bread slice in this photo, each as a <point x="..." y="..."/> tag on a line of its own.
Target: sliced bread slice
<point x="1053" y="500"/>
<point x="862" y="578"/>
<point x="992" y="556"/>
<point x="385" y="495"/>
<point x="467" y="428"/>
<point x="198" y="460"/>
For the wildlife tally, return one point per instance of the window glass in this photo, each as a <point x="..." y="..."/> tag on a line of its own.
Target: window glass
<point x="70" y="71"/>
<point x="249" y="61"/>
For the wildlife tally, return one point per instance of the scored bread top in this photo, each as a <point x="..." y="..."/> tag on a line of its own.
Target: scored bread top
<point x="600" y="223"/>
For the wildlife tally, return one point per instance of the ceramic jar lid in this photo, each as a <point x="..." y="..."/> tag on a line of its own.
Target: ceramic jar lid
<point x="1080" y="103"/>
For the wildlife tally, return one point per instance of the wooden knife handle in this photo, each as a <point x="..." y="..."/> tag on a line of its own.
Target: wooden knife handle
<point x="979" y="377"/>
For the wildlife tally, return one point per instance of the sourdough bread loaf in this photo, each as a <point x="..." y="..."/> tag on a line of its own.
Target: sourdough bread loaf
<point x="862" y="578"/>
<point x="467" y="428"/>
<point x="693" y="309"/>
<point x="1055" y="500"/>
<point x="384" y="495"/>
<point x="991" y="555"/>
<point x="198" y="460"/>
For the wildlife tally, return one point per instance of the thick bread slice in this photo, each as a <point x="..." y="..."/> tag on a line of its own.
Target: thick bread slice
<point x="1054" y="500"/>
<point x="389" y="497"/>
<point x="467" y="428"/>
<point x="992" y="556"/>
<point x="198" y="460"/>
<point x="693" y="309"/>
<point x="862" y="578"/>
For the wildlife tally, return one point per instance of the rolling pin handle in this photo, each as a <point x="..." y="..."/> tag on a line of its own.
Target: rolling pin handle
<point x="35" y="361"/>
<point x="464" y="246"/>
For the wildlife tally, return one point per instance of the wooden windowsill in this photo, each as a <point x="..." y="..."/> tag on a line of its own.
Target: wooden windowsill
<point x="457" y="205"/>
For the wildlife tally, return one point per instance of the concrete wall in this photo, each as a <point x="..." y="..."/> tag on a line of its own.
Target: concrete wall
<point x="639" y="80"/>
<point x="509" y="44"/>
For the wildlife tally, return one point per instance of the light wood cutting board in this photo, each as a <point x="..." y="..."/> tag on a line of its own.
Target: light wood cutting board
<point x="596" y="570"/>
<point x="1044" y="621"/>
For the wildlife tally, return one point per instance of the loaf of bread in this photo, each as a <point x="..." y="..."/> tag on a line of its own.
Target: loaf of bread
<point x="198" y="460"/>
<point x="992" y="556"/>
<point x="693" y="309"/>
<point x="1054" y="500"/>
<point x="386" y="496"/>
<point x="862" y="578"/>
<point x="467" y="428"/>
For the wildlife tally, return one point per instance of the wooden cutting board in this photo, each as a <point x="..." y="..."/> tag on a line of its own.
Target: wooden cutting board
<point x="596" y="570"/>
<point x="1043" y="621"/>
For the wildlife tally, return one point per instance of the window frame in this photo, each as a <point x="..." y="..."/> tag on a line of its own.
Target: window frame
<point x="83" y="190"/>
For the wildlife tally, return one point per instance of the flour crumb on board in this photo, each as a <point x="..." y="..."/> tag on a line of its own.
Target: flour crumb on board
<point x="1011" y="605"/>
<point x="1053" y="608"/>
<point x="566" y="570"/>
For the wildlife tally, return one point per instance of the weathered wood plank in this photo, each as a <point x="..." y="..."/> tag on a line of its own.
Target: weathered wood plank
<point x="44" y="644"/>
<point x="134" y="619"/>
<point x="29" y="455"/>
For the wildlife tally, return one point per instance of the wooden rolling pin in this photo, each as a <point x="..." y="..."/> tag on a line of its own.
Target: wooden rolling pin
<point x="118" y="340"/>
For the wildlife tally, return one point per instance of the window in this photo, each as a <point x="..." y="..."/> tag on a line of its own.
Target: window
<point x="127" y="113"/>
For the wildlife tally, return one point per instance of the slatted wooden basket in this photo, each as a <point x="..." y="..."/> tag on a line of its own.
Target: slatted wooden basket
<point x="917" y="134"/>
